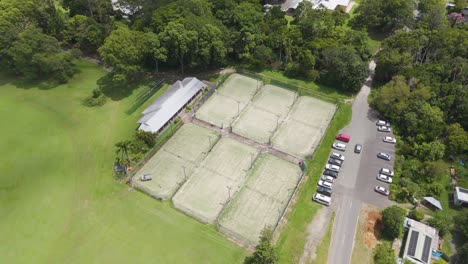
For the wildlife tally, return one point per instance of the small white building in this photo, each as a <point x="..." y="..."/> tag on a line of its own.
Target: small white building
<point x="420" y="242"/>
<point x="461" y="196"/>
<point x="316" y="4"/>
<point x="163" y="110"/>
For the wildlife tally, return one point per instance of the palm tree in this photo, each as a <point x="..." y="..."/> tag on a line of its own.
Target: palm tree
<point x="122" y="150"/>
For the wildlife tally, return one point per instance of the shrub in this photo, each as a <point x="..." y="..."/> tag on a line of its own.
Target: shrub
<point x="148" y="138"/>
<point x="416" y="215"/>
<point x="96" y="99"/>
<point x="384" y="254"/>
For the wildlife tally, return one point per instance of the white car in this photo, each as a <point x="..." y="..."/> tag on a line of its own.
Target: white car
<point x="382" y="123"/>
<point x="339" y="146"/>
<point x="325" y="184"/>
<point x="337" y="156"/>
<point x="382" y="190"/>
<point x="384" y="178"/>
<point x="327" y="178"/>
<point x="146" y="177"/>
<point x="387" y="172"/>
<point x="384" y="129"/>
<point x="332" y="167"/>
<point x="389" y="140"/>
<point x="323" y="199"/>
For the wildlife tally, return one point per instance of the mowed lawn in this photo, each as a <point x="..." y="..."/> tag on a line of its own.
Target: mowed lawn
<point x="58" y="200"/>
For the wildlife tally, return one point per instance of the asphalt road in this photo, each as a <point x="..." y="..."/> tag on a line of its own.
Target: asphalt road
<point x="357" y="179"/>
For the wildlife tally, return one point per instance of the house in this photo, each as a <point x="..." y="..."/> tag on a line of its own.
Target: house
<point x="420" y="242"/>
<point x="460" y="196"/>
<point x="316" y="4"/>
<point x="162" y="111"/>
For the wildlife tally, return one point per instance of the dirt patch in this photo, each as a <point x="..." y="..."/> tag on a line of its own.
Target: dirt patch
<point x="372" y="228"/>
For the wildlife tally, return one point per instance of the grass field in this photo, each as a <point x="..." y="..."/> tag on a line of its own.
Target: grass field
<point x="293" y="236"/>
<point x="59" y="202"/>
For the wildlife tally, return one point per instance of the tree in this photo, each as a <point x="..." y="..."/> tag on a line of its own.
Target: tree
<point x="383" y="254"/>
<point x="35" y="55"/>
<point x="123" y="149"/>
<point x="383" y="15"/>
<point x="264" y="253"/>
<point x="155" y="50"/>
<point x="429" y="151"/>
<point x="124" y="50"/>
<point x="178" y="41"/>
<point x="147" y="137"/>
<point x="84" y="33"/>
<point x="457" y="140"/>
<point x="100" y="10"/>
<point x="392" y="219"/>
<point x="344" y="68"/>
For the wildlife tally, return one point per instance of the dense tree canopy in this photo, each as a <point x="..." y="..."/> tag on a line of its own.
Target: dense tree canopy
<point x="392" y="219"/>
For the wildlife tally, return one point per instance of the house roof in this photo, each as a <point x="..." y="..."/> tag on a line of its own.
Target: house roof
<point x="421" y="240"/>
<point x="461" y="194"/>
<point x="433" y="201"/>
<point x="168" y="104"/>
<point x="329" y="4"/>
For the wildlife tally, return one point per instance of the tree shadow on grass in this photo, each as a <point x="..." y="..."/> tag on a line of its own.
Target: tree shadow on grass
<point x="40" y="84"/>
<point x="114" y="90"/>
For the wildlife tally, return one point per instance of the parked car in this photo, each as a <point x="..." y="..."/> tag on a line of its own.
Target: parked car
<point x="324" y="191"/>
<point x="389" y="140"/>
<point x="343" y="137"/>
<point x="332" y="167"/>
<point x="146" y="177"/>
<point x="325" y="184"/>
<point x="382" y="123"/>
<point x="384" y="156"/>
<point x="334" y="174"/>
<point x="336" y="162"/>
<point x="339" y="146"/>
<point x="358" y="148"/>
<point x="384" y="129"/>
<point x="337" y="156"/>
<point x="322" y="199"/>
<point x="387" y="172"/>
<point x="327" y="178"/>
<point x="384" y="178"/>
<point x="382" y="190"/>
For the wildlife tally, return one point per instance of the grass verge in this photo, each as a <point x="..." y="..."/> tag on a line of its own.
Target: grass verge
<point x="362" y="253"/>
<point x="324" y="246"/>
<point x="293" y="236"/>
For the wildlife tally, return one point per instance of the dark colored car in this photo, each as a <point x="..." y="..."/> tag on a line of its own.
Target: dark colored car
<point x="384" y="156"/>
<point x="334" y="174"/>
<point x="335" y="162"/>
<point x="358" y="148"/>
<point x="324" y="191"/>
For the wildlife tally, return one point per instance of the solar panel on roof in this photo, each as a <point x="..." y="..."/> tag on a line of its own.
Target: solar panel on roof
<point x="413" y="243"/>
<point x="426" y="249"/>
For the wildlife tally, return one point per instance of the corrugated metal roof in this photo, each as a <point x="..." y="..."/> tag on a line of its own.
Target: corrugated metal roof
<point x="433" y="201"/>
<point x="168" y="104"/>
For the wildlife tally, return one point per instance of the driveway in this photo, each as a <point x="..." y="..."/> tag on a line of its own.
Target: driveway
<point x="357" y="178"/>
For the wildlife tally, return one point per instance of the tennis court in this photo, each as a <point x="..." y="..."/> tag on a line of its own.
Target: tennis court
<point x="262" y="200"/>
<point x="175" y="161"/>
<point x="218" y="178"/>
<point x="228" y="101"/>
<point x="264" y="114"/>
<point x="301" y="132"/>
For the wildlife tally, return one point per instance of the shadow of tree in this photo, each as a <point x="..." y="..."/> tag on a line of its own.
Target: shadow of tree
<point x="113" y="89"/>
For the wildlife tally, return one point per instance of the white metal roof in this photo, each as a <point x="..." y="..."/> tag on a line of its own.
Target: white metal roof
<point x="167" y="105"/>
<point x="329" y="4"/>
<point x="462" y="194"/>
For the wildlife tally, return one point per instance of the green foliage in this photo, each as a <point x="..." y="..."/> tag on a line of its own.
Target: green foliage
<point x="124" y="50"/>
<point x="96" y="99"/>
<point x="383" y="15"/>
<point x="344" y="68"/>
<point x="383" y="254"/>
<point x="457" y="140"/>
<point x="265" y="252"/>
<point x="149" y="138"/>
<point x="35" y="55"/>
<point x="99" y="10"/>
<point x="441" y="221"/>
<point x="416" y="215"/>
<point x="84" y="33"/>
<point x="392" y="219"/>
<point x="461" y="221"/>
